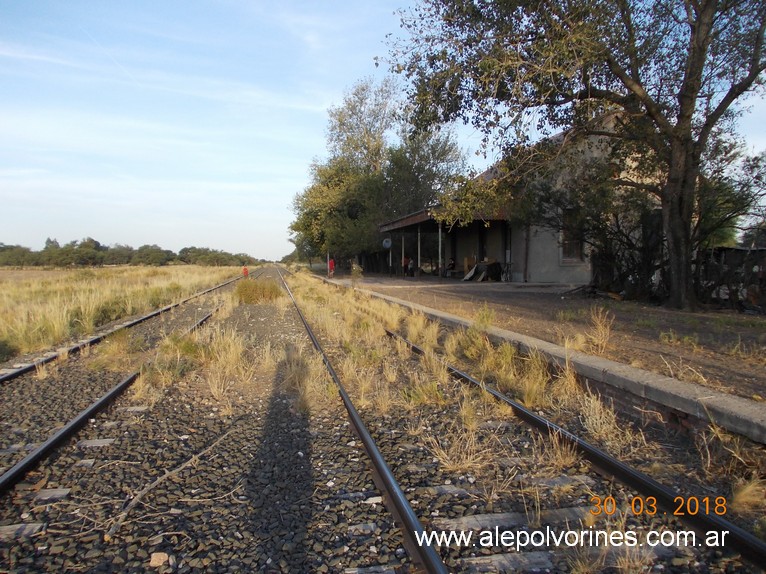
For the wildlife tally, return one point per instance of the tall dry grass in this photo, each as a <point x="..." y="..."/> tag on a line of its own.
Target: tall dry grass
<point x="40" y="310"/>
<point x="304" y="374"/>
<point x="226" y="363"/>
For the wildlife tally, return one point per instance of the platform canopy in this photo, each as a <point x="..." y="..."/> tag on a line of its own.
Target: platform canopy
<point x="422" y="220"/>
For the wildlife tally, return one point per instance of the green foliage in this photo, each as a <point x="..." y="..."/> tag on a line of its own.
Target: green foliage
<point x="91" y="253"/>
<point x="152" y="255"/>
<point x="656" y="67"/>
<point x="357" y="129"/>
<point x="108" y="311"/>
<point x="17" y="256"/>
<point x="420" y="171"/>
<point x="251" y="291"/>
<point x="366" y="181"/>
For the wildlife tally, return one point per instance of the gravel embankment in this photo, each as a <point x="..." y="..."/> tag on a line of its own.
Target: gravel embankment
<point x="259" y="488"/>
<point x="256" y="484"/>
<point x="34" y="405"/>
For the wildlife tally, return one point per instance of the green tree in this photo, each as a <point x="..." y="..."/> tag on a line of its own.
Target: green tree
<point x="420" y="170"/>
<point x="357" y="129"/>
<point x="17" y="256"/>
<point x="672" y="68"/>
<point x="366" y="180"/>
<point x="152" y="255"/>
<point x="119" y="255"/>
<point x="305" y="250"/>
<point x="340" y="210"/>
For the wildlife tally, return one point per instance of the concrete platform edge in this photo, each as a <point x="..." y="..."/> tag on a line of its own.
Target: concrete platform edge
<point x="730" y="412"/>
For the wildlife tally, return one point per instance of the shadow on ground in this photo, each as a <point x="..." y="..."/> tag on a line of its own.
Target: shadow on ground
<point x="280" y="485"/>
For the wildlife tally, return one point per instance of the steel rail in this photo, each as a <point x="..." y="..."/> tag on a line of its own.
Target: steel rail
<point x="738" y="539"/>
<point x="98" y="338"/>
<point x="393" y="497"/>
<point x="12" y="476"/>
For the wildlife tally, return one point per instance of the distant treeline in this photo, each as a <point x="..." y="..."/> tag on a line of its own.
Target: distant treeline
<point x="90" y="252"/>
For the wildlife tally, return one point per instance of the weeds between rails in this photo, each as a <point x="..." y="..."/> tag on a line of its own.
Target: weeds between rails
<point x="716" y="461"/>
<point x="225" y="360"/>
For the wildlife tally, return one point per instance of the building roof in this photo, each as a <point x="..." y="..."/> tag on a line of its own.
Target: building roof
<point x="425" y="221"/>
<point x="422" y="218"/>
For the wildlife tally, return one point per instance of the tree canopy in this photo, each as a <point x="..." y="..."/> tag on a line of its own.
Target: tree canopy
<point x="89" y="252"/>
<point x="369" y="176"/>
<point x="670" y="72"/>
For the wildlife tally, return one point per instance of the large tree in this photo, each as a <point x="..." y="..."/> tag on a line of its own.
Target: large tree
<point x="369" y="177"/>
<point x="420" y="170"/>
<point x="672" y="69"/>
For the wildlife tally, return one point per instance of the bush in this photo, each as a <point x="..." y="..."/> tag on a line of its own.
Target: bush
<point x="7" y="350"/>
<point x="257" y="291"/>
<point x="108" y="311"/>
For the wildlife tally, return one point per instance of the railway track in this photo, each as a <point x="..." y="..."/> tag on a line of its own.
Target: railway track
<point x="271" y="477"/>
<point x="638" y="489"/>
<point x="69" y="382"/>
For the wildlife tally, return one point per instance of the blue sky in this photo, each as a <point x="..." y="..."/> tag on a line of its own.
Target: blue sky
<point x="179" y="123"/>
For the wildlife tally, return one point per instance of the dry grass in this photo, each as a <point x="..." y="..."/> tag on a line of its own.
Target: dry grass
<point x="390" y="372"/>
<point x="304" y="374"/>
<point x="435" y="368"/>
<point x="359" y="380"/>
<point x="403" y="350"/>
<point x="554" y="454"/>
<point x="225" y="363"/>
<point x="389" y="315"/>
<point x="565" y="390"/>
<point x="497" y="481"/>
<point x="451" y="346"/>
<point x="468" y="413"/>
<point x="533" y="507"/>
<point x="601" y="329"/>
<point x="725" y="454"/>
<point x="257" y="291"/>
<point x="749" y="497"/>
<point x="600" y="422"/>
<point x="383" y="398"/>
<point x="175" y="358"/>
<point x="415" y="325"/>
<point x="460" y="450"/>
<point x="475" y="344"/>
<point x="147" y="389"/>
<point x="120" y="352"/>
<point x="45" y="370"/>
<point x="596" y="340"/>
<point x="41" y="309"/>
<point x="422" y="391"/>
<point x="533" y="382"/>
<point x="585" y="561"/>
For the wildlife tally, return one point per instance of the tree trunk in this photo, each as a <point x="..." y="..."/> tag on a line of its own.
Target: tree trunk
<point x="677" y="208"/>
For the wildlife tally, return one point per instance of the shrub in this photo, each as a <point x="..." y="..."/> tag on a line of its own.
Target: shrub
<point x="7" y="350"/>
<point x="107" y="312"/>
<point x="257" y="291"/>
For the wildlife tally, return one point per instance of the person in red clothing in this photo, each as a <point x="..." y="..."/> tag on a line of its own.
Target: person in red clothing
<point x="331" y="268"/>
<point x="245" y="272"/>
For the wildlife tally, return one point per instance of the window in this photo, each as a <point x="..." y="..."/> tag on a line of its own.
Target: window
<point x="571" y="241"/>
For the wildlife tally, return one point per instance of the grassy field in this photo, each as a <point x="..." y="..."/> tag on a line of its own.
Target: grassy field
<point x="40" y="308"/>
